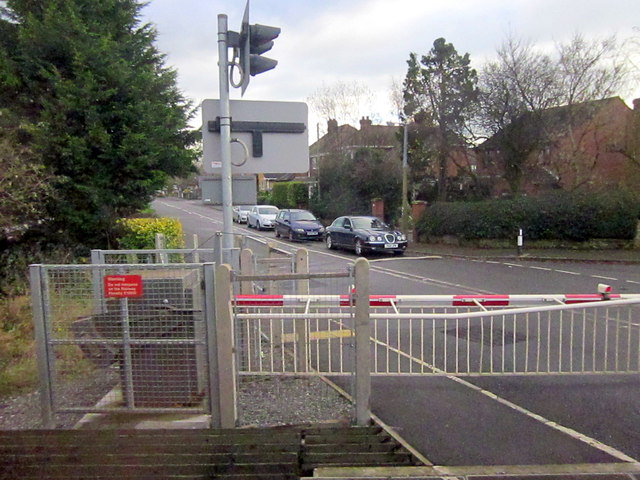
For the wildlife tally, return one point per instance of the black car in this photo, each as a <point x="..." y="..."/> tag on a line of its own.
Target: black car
<point x="296" y="224"/>
<point x="365" y="234"/>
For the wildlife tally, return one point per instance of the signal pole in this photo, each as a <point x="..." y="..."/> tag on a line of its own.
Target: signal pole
<point x="225" y="140"/>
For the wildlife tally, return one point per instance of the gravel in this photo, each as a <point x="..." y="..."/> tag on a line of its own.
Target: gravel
<point x="262" y="401"/>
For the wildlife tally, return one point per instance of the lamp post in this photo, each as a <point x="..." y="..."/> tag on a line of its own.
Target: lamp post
<point x="405" y="213"/>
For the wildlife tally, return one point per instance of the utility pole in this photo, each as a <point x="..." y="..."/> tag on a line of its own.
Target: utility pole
<point x="225" y="140"/>
<point x="405" y="213"/>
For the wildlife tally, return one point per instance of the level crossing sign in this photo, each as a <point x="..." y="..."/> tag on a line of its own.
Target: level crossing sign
<point x="266" y="137"/>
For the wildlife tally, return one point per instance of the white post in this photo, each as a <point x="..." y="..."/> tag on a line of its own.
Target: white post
<point x="302" y="288"/>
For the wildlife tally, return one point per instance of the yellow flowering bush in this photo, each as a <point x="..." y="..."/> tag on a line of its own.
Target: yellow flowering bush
<point x="140" y="233"/>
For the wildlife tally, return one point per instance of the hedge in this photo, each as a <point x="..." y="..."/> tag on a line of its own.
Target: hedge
<point x="290" y="195"/>
<point x="554" y="217"/>
<point x="140" y="233"/>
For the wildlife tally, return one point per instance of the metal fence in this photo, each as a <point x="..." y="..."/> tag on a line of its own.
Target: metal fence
<point x="450" y="335"/>
<point x="123" y="338"/>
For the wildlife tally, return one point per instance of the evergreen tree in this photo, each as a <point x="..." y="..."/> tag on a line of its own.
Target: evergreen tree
<point x="441" y="89"/>
<point x="96" y="105"/>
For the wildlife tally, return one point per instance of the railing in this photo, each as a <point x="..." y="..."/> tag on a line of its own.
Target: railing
<point x="448" y="335"/>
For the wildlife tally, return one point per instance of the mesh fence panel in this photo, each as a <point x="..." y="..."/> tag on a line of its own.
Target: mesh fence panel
<point x="128" y="337"/>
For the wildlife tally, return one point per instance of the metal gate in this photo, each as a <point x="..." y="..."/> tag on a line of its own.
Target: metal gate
<point x="463" y="335"/>
<point x="128" y="338"/>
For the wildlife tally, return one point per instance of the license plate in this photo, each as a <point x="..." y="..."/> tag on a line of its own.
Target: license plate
<point x="390" y="245"/>
<point x="312" y="233"/>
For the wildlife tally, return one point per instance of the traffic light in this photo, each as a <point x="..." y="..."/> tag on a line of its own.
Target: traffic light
<point x="254" y="41"/>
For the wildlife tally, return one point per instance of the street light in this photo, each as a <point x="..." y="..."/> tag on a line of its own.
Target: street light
<point x="405" y="217"/>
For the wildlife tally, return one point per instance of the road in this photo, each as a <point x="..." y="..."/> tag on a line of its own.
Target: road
<point x="488" y="420"/>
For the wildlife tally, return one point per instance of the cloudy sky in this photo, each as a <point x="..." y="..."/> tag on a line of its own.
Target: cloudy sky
<point x="368" y="41"/>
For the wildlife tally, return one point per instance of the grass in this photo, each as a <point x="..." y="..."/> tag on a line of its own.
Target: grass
<point x="18" y="371"/>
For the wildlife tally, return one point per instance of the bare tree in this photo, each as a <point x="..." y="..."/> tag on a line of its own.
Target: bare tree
<point x="532" y="99"/>
<point x="345" y="102"/>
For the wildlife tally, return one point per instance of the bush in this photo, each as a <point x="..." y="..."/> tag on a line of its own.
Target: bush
<point x="554" y="217"/>
<point x="280" y="195"/>
<point x="290" y="195"/>
<point x="140" y="233"/>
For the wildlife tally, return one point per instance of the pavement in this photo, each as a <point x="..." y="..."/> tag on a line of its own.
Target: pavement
<point x="609" y="255"/>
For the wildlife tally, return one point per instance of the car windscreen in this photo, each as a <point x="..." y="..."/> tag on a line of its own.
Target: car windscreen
<point x="267" y="211"/>
<point x="302" y="216"/>
<point x="368" y="223"/>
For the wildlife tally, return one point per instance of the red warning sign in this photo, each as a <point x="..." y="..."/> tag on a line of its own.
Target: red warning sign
<point x="120" y="286"/>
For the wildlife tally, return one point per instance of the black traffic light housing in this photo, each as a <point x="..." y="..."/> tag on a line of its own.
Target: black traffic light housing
<point x="254" y="41"/>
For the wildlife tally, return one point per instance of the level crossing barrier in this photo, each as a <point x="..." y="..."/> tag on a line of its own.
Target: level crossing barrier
<point x="451" y="334"/>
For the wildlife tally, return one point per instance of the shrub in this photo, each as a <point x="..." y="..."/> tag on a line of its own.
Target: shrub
<point x="560" y="216"/>
<point x="280" y="195"/>
<point x="140" y="233"/>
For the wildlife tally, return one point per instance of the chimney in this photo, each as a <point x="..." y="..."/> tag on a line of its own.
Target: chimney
<point x="332" y="126"/>
<point x="365" y="123"/>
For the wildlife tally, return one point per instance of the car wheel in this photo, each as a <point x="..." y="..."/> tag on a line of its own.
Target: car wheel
<point x="258" y="225"/>
<point x="277" y="233"/>
<point x="358" y="247"/>
<point x="329" y="241"/>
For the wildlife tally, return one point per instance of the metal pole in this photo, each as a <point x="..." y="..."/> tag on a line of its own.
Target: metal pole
<point x="404" y="219"/>
<point x="225" y="139"/>
<point x="43" y="356"/>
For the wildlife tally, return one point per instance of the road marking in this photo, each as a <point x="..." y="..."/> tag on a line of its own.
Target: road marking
<point x="550" y="423"/>
<point x="568" y="272"/>
<point x="604" y="278"/>
<point x="426" y="257"/>
<point x="541" y="268"/>
<point x="513" y="264"/>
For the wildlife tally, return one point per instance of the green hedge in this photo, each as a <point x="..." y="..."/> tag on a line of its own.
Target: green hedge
<point x="554" y="217"/>
<point x="140" y="233"/>
<point x="290" y="195"/>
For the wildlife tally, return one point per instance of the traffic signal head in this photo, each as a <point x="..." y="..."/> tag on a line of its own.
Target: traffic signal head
<point x="254" y="41"/>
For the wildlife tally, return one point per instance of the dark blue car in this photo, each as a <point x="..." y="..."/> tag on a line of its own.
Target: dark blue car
<point x="296" y="224"/>
<point x="365" y="234"/>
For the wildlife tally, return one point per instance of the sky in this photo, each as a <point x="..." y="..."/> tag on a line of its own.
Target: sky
<point x="368" y="41"/>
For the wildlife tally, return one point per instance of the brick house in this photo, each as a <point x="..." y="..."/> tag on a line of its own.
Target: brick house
<point x="584" y="147"/>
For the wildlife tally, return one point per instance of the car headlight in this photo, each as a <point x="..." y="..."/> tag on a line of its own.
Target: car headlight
<point x="372" y="238"/>
<point x="321" y="229"/>
<point x="299" y="230"/>
<point x="402" y="238"/>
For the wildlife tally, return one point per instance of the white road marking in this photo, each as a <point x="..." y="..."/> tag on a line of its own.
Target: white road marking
<point x="541" y="268"/>
<point x="568" y="272"/>
<point x="604" y="278"/>
<point x="550" y="423"/>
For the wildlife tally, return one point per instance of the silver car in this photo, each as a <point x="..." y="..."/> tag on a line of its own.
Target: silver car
<point x="262" y="217"/>
<point x="241" y="213"/>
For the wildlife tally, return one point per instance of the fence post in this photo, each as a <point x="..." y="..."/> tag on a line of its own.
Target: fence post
<point x="302" y="288"/>
<point x="225" y="346"/>
<point x="161" y="245"/>
<point x="247" y="267"/>
<point x="212" y="344"/>
<point x="42" y="345"/>
<point x="363" y="342"/>
<point x="97" y="274"/>
<point x="196" y="255"/>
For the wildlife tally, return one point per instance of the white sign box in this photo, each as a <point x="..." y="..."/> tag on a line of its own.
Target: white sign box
<point x="275" y="135"/>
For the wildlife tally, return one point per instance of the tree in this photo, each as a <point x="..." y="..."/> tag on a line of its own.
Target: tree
<point x="342" y="101"/>
<point x="442" y="89"/>
<point x="522" y="92"/>
<point x="98" y="109"/>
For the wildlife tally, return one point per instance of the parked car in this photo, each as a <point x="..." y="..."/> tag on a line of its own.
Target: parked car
<point x="241" y="213"/>
<point x="262" y="216"/>
<point x="363" y="235"/>
<point x="298" y="224"/>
